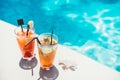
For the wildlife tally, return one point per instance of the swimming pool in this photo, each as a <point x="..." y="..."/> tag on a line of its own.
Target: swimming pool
<point x="91" y="27"/>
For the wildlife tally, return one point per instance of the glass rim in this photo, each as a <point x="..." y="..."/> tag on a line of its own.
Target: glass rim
<point x="48" y="33"/>
<point x="17" y="29"/>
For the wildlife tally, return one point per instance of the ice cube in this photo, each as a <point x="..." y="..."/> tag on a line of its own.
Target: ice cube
<point x="47" y="50"/>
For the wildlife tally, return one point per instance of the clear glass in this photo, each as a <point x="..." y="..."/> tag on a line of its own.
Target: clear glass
<point x="47" y="52"/>
<point x="23" y="39"/>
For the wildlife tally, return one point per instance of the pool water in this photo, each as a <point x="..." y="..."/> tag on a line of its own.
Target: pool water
<point x="90" y="27"/>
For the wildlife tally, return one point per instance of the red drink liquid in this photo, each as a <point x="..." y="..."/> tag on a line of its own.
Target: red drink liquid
<point x="22" y="38"/>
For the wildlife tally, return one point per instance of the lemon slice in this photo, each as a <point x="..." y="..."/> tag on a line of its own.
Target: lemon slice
<point x="31" y="24"/>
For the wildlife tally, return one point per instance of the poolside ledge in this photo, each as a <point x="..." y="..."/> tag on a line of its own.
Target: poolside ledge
<point x="83" y="68"/>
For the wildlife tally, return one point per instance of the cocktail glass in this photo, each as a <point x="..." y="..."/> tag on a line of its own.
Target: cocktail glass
<point x="47" y="49"/>
<point x="22" y="39"/>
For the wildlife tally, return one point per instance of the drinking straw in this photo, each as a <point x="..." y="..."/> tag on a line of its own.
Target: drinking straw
<point x="51" y="37"/>
<point x="38" y="40"/>
<point x="29" y="42"/>
<point x="27" y="30"/>
<point x="20" y="22"/>
<point x="32" y="40"/>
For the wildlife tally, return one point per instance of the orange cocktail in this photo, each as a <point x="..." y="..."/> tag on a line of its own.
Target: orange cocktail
<point x="47" y="50"/>
<point x="23" y="39"/>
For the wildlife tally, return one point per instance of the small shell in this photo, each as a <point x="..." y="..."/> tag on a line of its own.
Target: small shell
<point x="31" y="24"/>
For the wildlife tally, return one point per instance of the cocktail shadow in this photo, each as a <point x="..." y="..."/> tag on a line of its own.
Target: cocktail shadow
<point x="51" y="74"/>
<point x="28" y="64"/>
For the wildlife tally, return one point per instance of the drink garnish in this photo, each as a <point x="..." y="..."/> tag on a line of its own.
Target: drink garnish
<point x="20" y="22"/>
<point x="29" y="26"/>
<point x="47" y="41"/>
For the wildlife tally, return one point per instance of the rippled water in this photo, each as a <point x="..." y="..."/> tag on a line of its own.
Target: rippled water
<point x="91" y="27"/>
